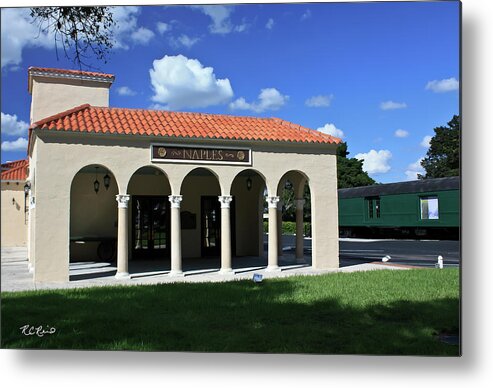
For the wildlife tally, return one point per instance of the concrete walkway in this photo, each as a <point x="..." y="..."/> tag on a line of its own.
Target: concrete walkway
<point x="16" y="276"/>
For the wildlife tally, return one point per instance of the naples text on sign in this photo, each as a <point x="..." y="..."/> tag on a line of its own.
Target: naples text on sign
<point x="204" y="155"/>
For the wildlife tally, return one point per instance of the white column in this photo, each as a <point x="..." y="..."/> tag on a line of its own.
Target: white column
<point x="279" y="228"/>
<point x="300" y="256"/>
<point x="122" y="247"/>
<point x="273" y="245"/>
<point x="226" y="268"/>
<point x="176" y="264"/>
<point x="30" y="251"/>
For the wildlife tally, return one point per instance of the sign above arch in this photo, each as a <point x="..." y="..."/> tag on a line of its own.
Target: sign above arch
<point x="171" y="153"/>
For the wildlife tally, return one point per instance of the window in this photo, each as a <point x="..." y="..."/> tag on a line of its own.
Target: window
<point x="429" y="208"/>
<point x="373" y="204"/>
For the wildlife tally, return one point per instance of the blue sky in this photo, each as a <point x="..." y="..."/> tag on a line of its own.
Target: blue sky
<point x="382" y="75"/>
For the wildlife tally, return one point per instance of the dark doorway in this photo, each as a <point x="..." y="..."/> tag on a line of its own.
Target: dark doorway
<point x="210" y="223"/>
<point x="150" y="227"/>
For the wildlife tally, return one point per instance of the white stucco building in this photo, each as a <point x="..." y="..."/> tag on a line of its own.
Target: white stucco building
<point x="164" y="185"/>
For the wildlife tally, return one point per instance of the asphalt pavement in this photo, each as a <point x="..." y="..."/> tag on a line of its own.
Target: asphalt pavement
<point x="417" y="253"/>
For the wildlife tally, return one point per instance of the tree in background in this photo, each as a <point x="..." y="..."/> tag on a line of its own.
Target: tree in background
<point x="443" y="156"/>
<point x="349" y="174"/>
<point x="350" y="170"/>
<point x="82" y="31"/>
<point x="289" y="206"/>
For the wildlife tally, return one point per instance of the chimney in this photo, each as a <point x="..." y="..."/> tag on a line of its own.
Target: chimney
<point x="57" y="90"/>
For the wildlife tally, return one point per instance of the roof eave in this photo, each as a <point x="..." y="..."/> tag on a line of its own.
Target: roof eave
<point x="52" y="74"/>
<point x="187" y="138"/>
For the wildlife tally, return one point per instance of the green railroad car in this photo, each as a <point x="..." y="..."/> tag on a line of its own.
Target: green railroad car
<point x="428" y="208"/>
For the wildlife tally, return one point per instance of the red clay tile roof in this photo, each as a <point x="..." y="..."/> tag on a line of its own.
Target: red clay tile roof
<point x="87" y="118"/>
<point x="70" y="72"/>
<point x="15" y="171"/>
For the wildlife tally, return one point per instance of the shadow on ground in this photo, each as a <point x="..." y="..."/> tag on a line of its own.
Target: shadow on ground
<point x="276" y="316"/>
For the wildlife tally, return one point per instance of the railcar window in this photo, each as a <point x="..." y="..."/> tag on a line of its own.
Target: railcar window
<point x="429" y="208"/>
<point x="373" y="204"/>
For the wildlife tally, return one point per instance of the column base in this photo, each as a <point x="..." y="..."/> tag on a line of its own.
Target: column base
<point x="176" y="274"/>
<point x="226" y="271"/>
<point x="273" y="268"/>
<point x="122" y="275"/>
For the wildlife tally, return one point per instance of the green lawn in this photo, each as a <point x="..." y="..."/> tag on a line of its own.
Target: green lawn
<point x="376" y="312"/>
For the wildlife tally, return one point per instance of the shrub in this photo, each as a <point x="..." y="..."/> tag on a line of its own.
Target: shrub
<point x="289" y="227"/>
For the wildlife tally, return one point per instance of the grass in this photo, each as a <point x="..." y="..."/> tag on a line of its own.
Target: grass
<point x="375" y="312"/>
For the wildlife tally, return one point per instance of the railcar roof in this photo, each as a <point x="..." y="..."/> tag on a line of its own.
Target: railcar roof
<point x="418" y="186"/>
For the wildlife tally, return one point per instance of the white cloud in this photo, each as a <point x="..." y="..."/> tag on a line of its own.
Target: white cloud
<point x="219" y="14"/>
<point x="11" y="126"/>
<point x="125" y="19"/>
<point x="401" y="133"/>
<point x="125" y="91"/>
<point x="18" y="32"/>
<point x="268" y="99"/>
<point x="162" y="27"/>
<point x="16" y="145"/>
<point x="126" y="29"/>
<point x="179" y="82"/>
<point x="319" y="101"/>
<point x="183" y="40"/>
<point x="220" y="17"/>
<point x="157" y="107"/>
<point x="443" y="85"/>
<point x="414" y="169"/>
<point x="270" y="24"/>
<point x="331" y="129"/>
<point x="426" y="142"/>
<point x="390" y="105"/>
<point x="375" y="162"/>
<point x="240" y="103"/>
<point x="142" y="35"/>
<point x="242" y="27"/>
<point x="306" y="15"/>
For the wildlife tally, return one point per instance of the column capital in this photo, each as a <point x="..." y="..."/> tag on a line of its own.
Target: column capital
<point x="299" y="203"/>
<point x="122" y="200"/>
<point x="272" y="202"/>
<point x="175" y="200"/>
<point x="225" y="201"/>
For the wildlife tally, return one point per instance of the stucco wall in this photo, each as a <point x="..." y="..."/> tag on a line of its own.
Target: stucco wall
<point x="14" y="220"/>
<point x="249" y="216"/>
<point x="52" y="96"/>
<point x="68" y="153"/>
<point x="91" y="214"/>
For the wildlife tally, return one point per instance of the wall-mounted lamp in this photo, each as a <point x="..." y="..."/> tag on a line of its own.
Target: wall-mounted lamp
<point x="249" y="183"/>
<point x="106" y="181"/>
<point x="27" y="188"/>
<point x="96" y="182"/>
<point x="13" y="201"/>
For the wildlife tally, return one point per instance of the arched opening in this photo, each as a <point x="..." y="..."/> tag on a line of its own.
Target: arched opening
<point x="200" y="216"/>
<point x="249" y="193"/>
<point x="294" y="218"/>
<point x="93" y="216"/>
<point x="149" y="217"/>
